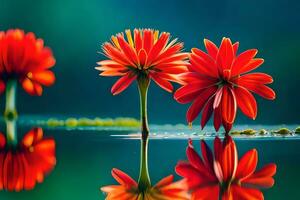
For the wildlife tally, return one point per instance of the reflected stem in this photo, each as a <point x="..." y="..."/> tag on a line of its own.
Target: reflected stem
<point x="144" y="179"/>
<point x="10" y="113"/>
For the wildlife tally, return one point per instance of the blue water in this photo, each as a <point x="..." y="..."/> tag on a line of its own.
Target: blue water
<point x="85" y="156"/>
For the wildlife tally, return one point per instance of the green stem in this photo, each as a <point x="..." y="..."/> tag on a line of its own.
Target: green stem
<point x="144" y="179"/>
<point x="10" y="113"/>
<point x="10" y="104"/>
<point x="11" y="133"/>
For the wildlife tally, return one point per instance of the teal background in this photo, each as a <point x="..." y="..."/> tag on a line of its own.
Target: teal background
<point x="75" y="30"/>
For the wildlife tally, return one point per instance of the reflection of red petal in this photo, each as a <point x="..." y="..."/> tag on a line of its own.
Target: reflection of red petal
<point x="247" y="165"/>
<point x="263" y="177"/>
<point x="210" y="192"/>
<point x="193" y="157"/>
<point x="123" y="178"/>
<point x="235" y="180"/>
<point x="229" y="160"/>
<point x="128" y="189"/>
<point x="242" y="193"/>
<point x="26" y="165"/>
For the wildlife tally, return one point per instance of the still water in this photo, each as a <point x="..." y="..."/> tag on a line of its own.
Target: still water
<point x="85" y="157"/>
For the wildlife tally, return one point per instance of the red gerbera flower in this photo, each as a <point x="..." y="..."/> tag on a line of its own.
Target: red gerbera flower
<point x="23" y="166"/>
<point x="165" y="189"/>
<point x="217" y="82"/>
<point x="223" y="175"/>
<point x="24" y="57"/>
<point x="146" y="54"/>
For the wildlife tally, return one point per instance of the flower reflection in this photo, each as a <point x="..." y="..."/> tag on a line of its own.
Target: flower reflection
<point x="222" y="175"/>
<point x="24" y="164"/>
<point x="128" y="189"/>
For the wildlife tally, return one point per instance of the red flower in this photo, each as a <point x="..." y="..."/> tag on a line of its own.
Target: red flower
<point x="23" y="166"/>
<point x="217" y="82"/>
<point x="24" y="57"/>
<point x="165" y="189"/>
<point x="222" y="174"/>
<point x="146" y="54"/>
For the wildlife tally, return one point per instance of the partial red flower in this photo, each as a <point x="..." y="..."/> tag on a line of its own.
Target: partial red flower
<point x="218" y="82"/>
<point x="24" y="57"/>
<point x="23" y="166"/>
<point x="222" y="175"/>
<point x="147" y="53"/>
<point x="165" y="189"/>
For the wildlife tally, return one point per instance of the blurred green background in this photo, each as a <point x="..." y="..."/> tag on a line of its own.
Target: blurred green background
<point x="75" y="29"/>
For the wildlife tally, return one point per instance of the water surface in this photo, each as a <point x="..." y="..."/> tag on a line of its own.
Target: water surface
<point x="86" y="155"/>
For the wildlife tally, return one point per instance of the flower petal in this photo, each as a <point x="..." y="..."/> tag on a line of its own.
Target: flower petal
<point x="158" y="47"/>
<point x="209" y="192"/>
<point x="191" y="89"/>
<point x="229" y="105"/>
<point x="259" y="78"/>
<point x="115" y="54"/>
<point x="229" y="160"/>
<point x="263" y="177"/>
<point x="247" y="165"/>
<point x="194" y="177"/>
<point x="211" y="48"/>
<point x="31" y="87"/>
<point x="2" y="86"/>
<point x="207" y="112"/>
<point x="217" y="118"/>
<point x="128" y="50"/>
<point x="198" y="104"/>
<point x="207" y="155"/>
<point x="225" y="55"/>
<point x="259" y="89"/>
<point x="235" y="47"/>
<point x="253" y="64"/>
<point x="123" y="178"/>
<point x="2" y="142"/>
<point x="46" y="78"/>
<point x="193" y="157"/>
<point x="242" y="60"/>
<point x="122" y="83"/>
<point x="203" y="63"/>
<point x="164" y="84"/>
<point x="241" y="193"/>
<point x="246" y="102"/>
